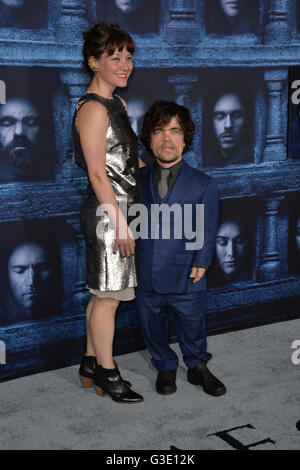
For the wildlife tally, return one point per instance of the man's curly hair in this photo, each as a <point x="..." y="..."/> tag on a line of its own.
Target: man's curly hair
<point x="160" y="113"/>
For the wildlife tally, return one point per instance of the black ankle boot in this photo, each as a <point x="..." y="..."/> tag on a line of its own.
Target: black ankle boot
<point x="110" y="382"/>
<point x="87" y="371"/>
<point x="126" y="382"/>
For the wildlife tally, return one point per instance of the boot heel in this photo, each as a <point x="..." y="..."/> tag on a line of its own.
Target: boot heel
<point x="85" y="382"/>
<point x="100" y="392"/>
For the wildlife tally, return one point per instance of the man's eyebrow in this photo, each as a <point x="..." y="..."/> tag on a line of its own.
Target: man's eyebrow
<point x="172" y="128"/>
<point x="228" y="112"/>
<point x="30" y="264"/>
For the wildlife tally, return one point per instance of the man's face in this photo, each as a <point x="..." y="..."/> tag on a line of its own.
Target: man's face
<point x="231" y="245"/>
<point x="298" y="235"/>
<point x="19" y="132"/>
<point x="29" y="274"/>
<point x="229" y="122"/>
<point x="167" y="142"/>
<point x="127" y="6"/>
<point x="136" y="111"/>
<point x="232" y="8"/>
<point x="14" y="3"/>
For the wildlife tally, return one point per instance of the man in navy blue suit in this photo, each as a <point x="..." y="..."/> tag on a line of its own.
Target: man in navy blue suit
<point x="173" y="258"/>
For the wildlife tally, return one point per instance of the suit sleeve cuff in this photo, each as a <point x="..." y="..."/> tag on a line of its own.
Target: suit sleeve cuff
<point x="199" y="265"/>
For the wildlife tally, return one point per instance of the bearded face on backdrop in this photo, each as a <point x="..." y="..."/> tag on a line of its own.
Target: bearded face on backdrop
<point x="27" y="142"/>
<point x="20" y="142"/>
<point x="228" y="126"/>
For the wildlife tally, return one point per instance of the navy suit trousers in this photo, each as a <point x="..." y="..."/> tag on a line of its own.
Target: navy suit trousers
<point x="189" y="312"/>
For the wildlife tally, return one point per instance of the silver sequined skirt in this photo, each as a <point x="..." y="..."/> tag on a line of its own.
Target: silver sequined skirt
<point x="106" y="271"/>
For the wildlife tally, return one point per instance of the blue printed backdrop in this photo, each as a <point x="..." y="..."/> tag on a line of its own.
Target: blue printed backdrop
<point x="230" y="67"/>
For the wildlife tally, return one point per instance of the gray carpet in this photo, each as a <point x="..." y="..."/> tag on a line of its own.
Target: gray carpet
<point x="51" y="411"/>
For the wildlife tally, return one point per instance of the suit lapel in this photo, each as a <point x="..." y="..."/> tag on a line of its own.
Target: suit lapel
<point x="148" y="187"/>
<point x="180" y="185"/>
<point x="154" y="193"/>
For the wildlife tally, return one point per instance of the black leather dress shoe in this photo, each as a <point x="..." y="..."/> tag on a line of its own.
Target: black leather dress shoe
<point x="201" y="375"/>
<point x="166" y="382"/>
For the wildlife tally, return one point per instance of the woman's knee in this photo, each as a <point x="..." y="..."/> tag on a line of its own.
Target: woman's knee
<point x="107" y="304"/>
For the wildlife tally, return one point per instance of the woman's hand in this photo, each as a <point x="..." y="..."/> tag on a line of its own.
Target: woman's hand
<point x="125" y="245"/>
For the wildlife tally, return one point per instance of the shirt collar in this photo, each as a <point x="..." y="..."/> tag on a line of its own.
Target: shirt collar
<point x="173" y="169"/>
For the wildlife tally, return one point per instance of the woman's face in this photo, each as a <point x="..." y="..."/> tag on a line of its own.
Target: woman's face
<point x="14" y="3"/>
<point x="115" y="69"/>
<point x="231" y="246"/>
<point x="298" y="235"/>
<point x="127" y="6"/>
<point x="232" y="8"/>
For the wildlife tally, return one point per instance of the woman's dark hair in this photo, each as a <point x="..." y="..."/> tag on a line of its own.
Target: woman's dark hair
<point x="103" y="37"/>
<point x="160" y="113"/>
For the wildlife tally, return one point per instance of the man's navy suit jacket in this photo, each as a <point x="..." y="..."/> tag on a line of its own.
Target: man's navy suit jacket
<point x="164" y="265"/>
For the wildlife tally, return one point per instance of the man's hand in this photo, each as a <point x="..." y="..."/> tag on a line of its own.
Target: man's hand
<point x="197" y="273"/>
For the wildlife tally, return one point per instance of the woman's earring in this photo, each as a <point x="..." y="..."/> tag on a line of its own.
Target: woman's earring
<point x="93" y="68"/>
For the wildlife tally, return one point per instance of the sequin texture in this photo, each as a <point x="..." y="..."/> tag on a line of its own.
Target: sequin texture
<point x="107" y="271"/>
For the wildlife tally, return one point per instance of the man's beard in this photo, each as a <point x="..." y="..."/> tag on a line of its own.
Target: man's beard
<point x="20" y="154"/>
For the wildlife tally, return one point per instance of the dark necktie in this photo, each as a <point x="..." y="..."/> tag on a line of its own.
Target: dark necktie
<point x="163" y="182"/>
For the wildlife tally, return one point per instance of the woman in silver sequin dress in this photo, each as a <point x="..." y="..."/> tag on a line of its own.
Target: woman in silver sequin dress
<point x="106" y="147"/>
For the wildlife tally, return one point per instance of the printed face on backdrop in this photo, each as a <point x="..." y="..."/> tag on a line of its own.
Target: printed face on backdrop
<point x="23" y="13"/>
<point x="19" y="135"/>
<point x="29" y="275"/>
<point x="231" y="247"/>
<point x="167" y="141"/>
<point x="136" y="110"/>
<point x="232" y="8"/>
<point x="298" y="235"/>
<point x="229" y="122"/>
<point x="127" y="6"/>
<point x="14" y="3"/>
